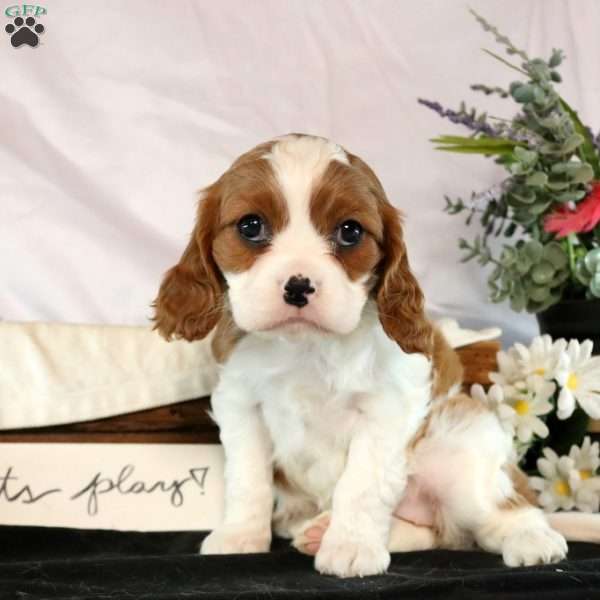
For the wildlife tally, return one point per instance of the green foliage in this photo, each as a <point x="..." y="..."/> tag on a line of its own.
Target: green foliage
<point x="489" y="90"/>
<point x="530" y="275"/>
<point x="488" y="146"/>
<point x="587" y="151"/>
<point x="551" y="160"/>
<point x="587" y="271"/>
<point x="501" y="39"/>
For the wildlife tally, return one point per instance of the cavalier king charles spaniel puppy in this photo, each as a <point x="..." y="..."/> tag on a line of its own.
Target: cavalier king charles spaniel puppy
<point x="338" y="402"/>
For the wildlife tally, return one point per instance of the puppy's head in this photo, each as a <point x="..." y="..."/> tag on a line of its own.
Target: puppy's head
<point x="295" y="236"/>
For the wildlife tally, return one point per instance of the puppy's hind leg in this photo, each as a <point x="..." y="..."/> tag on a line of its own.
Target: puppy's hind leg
<point x="466" y="457"/>
<point x="522" y="535"/>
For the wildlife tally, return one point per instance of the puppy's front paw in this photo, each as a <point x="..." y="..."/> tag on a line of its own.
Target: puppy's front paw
<point x="533" y="547"/>
<point x="236" y="539"/>
<point x="351" y="556"/>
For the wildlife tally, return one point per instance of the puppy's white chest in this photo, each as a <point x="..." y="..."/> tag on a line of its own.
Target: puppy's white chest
<point x="314" y="394"/>
<point x="311" y="427"/>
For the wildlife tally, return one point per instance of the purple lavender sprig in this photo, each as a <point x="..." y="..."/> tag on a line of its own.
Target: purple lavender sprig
<point x="478" y="125"/>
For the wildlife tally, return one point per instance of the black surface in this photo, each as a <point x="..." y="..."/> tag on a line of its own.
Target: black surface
<point x="61" y="563"/>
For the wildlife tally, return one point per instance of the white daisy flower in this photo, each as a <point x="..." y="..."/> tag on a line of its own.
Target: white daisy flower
<point x="564" y="485"/>
<point x="586" y="458"/>
<point x="583" y="479"/>
<point x="519" y="362"/>
<point x="578" y="375"/>
<point x="509" y="370"/>
<point x="529" y="401"/>
<point x="554" y="487"/>
<point x="541" y="358"/>
<point x="585" y="492"/>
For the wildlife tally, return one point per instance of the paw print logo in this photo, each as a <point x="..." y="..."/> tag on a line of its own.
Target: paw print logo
<point x="24" y="32"/>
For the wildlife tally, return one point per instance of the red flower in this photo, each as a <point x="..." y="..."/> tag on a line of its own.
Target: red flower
<point x="584" y="217"/>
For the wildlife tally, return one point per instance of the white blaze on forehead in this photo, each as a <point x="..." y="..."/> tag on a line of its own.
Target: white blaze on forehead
<point x="299" y="161"/>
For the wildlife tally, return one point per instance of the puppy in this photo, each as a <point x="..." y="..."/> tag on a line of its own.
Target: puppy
<point x="338" y="402"/>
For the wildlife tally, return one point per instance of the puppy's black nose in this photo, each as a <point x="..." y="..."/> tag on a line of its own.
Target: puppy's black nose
<point x="296" y="290"/>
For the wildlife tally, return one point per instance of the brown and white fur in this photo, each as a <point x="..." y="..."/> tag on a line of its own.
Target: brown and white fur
<point x="341" y="420"/>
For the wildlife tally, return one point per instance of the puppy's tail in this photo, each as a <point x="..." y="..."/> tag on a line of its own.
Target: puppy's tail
<point x="576" y="526"/>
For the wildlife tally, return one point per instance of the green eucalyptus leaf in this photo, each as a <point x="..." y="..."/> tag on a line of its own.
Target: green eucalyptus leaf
<point x="539" y="293"/>
<point x="523" y="195"/>
<point x="539" y="207"/>
<point x="556" y="58"/>
<point x="583" y="174"/>
<point x="538" y="69"/>
<point x="550" y="122"/>
<point x="518" y="168"/>
<point x="582" y="274"/>
<point x="523" y="264"/>
<point x="559" y="167"/>
<point x="570" y="196"/>
<point x="534" y="251"/>
<point x="543" y="272"/>
<point x="528" y="157"/>
<point x="523" y="93"/>
<point x="555" y="255"/>
<point x="537" y="179"/>
<point x="572" y="143"/>
<point x="595" y="285"/>
<point x="518" y="298"/>
<point x="549" y="148"/>
<point x="514" y="85"/>
<point x="508" y="257"/>
<point x="558" y="186"/>
<point x="592" y="261"/>
<point x="539" y="96"/>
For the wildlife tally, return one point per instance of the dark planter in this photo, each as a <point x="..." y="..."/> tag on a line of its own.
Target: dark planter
<point x="572" y="319"/>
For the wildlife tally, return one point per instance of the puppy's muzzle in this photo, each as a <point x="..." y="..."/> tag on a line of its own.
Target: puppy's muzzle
<point x="296" y="290"/>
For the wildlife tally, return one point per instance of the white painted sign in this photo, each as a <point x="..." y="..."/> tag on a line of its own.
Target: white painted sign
<point x="143" y="487"/>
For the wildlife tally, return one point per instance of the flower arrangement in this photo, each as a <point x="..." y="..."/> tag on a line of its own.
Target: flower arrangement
<point x="547" y="209"/>
<point x="550" y="380"/>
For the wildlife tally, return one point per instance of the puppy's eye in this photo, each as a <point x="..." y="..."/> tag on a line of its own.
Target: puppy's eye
<point x="253" y="229"/>
<point x="349" y="233"/>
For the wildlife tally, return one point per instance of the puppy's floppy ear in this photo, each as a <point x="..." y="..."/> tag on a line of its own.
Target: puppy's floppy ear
<point x="399" y="298"/>
<point x="400" y="301"/>
<point x="190" y="299"/>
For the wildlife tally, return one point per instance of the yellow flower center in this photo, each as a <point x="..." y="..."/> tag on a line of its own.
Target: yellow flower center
<point x="572" y="382"/>
<point x="585" y="474"/>
<point x="562" y="488"/>
<point x="521" y="407"/>
<point x="541" y="371"/>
